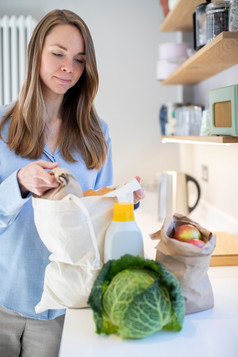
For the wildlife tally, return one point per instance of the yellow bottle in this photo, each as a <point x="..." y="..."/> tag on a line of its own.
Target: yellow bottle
<point x="123" y="235"/>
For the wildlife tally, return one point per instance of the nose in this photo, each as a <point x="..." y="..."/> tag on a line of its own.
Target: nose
<point x="67" y="66"/>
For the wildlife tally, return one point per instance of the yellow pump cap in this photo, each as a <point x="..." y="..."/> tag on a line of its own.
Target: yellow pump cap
<point x="123" y="212"/>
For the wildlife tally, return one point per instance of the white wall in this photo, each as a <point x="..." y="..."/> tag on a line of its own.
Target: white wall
<point x="221" y="190"/>
<point x="126" y="37"/>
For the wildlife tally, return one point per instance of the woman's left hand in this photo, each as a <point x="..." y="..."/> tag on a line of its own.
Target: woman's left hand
<point x="139" y="194"/>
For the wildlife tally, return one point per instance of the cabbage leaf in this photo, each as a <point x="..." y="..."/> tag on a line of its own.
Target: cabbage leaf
<point x="136" y="297"/>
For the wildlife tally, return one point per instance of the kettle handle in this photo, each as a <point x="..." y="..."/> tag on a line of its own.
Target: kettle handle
<point x="190" y="178"/>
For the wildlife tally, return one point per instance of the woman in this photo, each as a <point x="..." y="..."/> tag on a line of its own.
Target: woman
<point x="53" y="123"/>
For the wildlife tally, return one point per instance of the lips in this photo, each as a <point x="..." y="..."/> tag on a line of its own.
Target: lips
<point x="63" y="80"/>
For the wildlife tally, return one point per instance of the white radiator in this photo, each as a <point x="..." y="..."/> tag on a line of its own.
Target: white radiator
<point x="15" y="34"/>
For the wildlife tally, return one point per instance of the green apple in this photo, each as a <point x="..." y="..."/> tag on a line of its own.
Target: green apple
<point x="186" y="232"/>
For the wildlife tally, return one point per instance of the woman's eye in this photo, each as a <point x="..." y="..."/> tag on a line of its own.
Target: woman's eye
<point x="57" y="54"/>
<point x="79" y="60"/>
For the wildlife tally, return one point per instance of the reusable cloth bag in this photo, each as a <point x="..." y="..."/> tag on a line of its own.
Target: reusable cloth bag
<point x="187" y="262"/>
<point x="73" y="229"/>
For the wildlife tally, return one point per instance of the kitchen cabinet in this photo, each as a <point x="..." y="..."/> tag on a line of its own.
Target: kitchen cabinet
<point x="219" y="54"/>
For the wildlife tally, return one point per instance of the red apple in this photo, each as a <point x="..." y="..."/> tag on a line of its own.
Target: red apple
<point x="198" y="242"/>
<point x="186" y="232"/>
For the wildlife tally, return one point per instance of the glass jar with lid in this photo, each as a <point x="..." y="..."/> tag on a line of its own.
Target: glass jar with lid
<point x="233" y="15"/>
<point x="199" y="25"/>
<point x="217" y="15"/>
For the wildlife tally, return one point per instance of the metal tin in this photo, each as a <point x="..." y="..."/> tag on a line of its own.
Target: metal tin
<point x="223" y="104"/>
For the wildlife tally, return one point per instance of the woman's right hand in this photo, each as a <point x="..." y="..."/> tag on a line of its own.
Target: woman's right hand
<point x="34" y="178"/>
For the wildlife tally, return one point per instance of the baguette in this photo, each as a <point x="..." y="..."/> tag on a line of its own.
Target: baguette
<point x="100" y="192"/>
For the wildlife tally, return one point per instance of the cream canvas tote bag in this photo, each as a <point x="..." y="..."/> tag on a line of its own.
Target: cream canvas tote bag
<point x="73" y="229"/>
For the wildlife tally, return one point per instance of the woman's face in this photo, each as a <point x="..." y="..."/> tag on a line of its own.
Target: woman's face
<point x="62" y="59"/>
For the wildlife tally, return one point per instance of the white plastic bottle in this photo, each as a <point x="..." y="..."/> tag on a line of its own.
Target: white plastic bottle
<point x="123" y="235"/>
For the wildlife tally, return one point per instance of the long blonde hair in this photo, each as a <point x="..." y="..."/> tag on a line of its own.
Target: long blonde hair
<point x="80" y="130"/>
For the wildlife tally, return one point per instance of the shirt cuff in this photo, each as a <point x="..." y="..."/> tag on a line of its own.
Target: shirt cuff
<point x="11" y="197"/>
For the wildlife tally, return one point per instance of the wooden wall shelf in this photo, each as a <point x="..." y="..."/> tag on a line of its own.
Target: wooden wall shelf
<point x="181" y="17"/>
<point x="218" y="55"/>
<point x="200" y="139"/>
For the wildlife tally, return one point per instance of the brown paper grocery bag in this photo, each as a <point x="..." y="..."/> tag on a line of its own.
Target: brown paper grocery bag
<point x="187" y="262"/>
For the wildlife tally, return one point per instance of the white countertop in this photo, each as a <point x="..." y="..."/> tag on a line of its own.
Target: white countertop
<point x="210" y="333"/>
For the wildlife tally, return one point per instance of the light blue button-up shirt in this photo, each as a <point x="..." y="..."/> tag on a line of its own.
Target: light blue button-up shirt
<point x="23" y="256"/>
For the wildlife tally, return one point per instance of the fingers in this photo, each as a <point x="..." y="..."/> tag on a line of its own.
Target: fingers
<point x="39" y="171"/>
<point x="46" y="164"/>
<point x="34" y="177"/>
<point x="139" y="194"/>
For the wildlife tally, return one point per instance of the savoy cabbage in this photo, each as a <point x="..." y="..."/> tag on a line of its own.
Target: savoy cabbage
<point x="136" y="297"/>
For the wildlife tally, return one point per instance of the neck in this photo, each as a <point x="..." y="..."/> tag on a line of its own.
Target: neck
<point x="53" y="102"/>
<point x="53" y="108"/>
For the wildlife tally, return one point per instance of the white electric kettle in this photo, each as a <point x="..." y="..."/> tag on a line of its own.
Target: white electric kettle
<point x="174" y="193"/>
